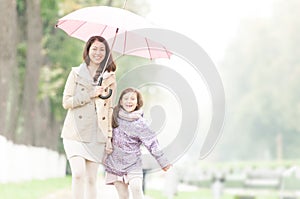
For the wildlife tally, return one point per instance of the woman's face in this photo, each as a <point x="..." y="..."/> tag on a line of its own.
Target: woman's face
<point x="97" y="52"/>
<point x="129" y="101"/>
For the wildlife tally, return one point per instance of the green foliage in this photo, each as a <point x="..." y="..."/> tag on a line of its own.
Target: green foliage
<point x="49" y="13"/>
<point x="260" y="75"/>
<point x="21" y="56"/>
<point x="21" y="6"/>
<point x="62" y="52"/>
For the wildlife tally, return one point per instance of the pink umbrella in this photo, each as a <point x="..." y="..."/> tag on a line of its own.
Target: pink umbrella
<point x="116" y="25"/>
<point x="110" y="22"/>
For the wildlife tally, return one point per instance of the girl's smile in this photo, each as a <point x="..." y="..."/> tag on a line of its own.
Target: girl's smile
<point x="129" y="101"/>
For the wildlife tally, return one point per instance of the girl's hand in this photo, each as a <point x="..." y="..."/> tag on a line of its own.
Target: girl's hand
<point x="108" y="146"/>
<point x="166" y="168"/>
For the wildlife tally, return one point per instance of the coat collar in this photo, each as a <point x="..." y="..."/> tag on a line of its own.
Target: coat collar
<point x="83" y="72"/>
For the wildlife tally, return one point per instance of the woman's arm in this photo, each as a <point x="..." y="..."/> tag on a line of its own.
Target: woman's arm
<point x="71" y="99"/>
<point x="109" y="147"/>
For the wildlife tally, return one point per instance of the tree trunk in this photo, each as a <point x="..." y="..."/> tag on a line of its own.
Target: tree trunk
<point x="43" y="125"/>
<point x="8" y="61"/>
<point x="33" y="65"/>
<point x="109" y="2"/>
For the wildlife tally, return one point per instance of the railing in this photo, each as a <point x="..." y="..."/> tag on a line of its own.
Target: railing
<point x="249" y="182"/>
<point x="21" y="163"/>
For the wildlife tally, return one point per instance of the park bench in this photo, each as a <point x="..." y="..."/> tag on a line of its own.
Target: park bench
<point x="263" y="179"/>
<point x="269" y="182"/>
<point x="290" y="184"/>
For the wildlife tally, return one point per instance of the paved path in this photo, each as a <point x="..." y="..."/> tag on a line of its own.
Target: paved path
<point x="155" y="181"/>
<point x="104" y="192"/>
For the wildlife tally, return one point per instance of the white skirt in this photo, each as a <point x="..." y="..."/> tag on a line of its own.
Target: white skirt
<point x="110" y="178"/>
<point x="93" y="151"/>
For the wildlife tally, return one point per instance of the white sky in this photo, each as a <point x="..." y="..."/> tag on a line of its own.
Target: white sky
<point x="210" y="23"/>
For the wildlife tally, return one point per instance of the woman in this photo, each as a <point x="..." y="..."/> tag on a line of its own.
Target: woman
<point x="87" y="127"/>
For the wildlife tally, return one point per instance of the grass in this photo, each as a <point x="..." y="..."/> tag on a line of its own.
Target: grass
<point x="205" y="194"/>
<point x="34" y="189"/>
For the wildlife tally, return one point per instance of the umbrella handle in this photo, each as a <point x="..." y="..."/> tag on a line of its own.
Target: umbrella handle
<point x="107" y="96"/>
<point x="109" y="92"/>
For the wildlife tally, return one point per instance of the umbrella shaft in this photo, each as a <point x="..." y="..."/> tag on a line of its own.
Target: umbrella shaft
<point x="100" y="81"/>
<point x="111" y="47"/>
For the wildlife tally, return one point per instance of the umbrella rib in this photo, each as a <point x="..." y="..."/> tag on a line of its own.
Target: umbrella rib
<point x="148" y="48"/>
<point x="125" y="42"/>
<point x="78" y="27"/>
<point x="59" y="23"/>
<point x="103" y="30"/>
<point x="167" y="52"/>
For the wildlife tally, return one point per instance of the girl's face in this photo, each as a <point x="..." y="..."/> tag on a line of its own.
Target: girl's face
<point x="97" y="52"/>
<point x="129" y="101"/>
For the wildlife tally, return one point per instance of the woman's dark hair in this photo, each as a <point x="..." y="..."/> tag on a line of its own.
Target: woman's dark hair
<point x="111" y="66"/>
<point x="118" y="106"/>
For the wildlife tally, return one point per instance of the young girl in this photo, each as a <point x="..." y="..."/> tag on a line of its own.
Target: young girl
<point x="124" y="165"/>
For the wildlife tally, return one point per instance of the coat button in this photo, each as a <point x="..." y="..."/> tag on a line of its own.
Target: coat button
<point x="103" y="118"/>
<point x="80" y="117"/>
<point x="104" y="104"/>
<point x="82" y="89"/>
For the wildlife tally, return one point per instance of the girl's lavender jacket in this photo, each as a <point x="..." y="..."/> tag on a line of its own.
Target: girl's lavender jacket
<point x="127" y="140"/>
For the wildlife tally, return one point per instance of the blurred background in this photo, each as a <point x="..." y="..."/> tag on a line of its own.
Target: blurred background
<point x="255" y="46"/>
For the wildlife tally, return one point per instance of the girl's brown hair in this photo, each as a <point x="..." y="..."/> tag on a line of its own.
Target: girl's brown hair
<point x="111" y="66"/>
<point x="118" y="106"/>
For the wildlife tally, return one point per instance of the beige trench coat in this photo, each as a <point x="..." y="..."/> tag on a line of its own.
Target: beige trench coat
<point x="84" y="118"/>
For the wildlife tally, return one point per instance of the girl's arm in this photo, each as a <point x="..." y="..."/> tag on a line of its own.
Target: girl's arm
<point x="149" y="140"/>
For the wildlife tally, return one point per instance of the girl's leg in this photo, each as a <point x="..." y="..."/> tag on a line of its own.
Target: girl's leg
<point x="91" y="175"/>
<point x="122" y="190"/>
<point x="77" y="165"/>
<point x="136" y="187"/>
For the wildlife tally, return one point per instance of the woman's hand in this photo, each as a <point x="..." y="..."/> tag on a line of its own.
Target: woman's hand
<point x="98" y="90"/>
<point x="108" y="146"/>
<point x="166" y="168"/>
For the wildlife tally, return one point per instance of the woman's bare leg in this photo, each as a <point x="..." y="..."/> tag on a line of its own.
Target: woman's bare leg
<point x="91" y="177"/>
<point x="77" y="165"/>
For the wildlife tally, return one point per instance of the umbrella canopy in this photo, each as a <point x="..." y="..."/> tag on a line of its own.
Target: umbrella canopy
<point x="117" y="23"/>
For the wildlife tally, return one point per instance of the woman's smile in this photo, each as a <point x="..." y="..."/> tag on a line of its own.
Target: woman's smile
<point x="97" y="52"/>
